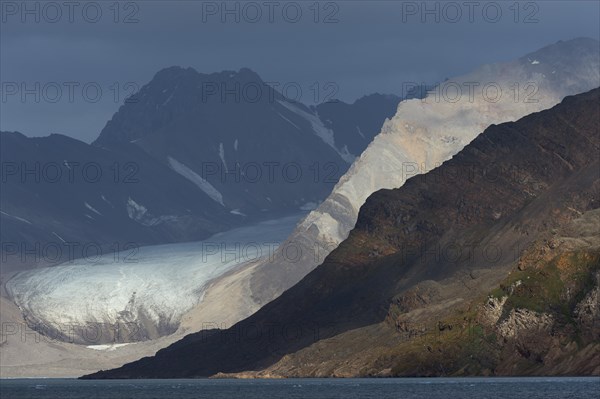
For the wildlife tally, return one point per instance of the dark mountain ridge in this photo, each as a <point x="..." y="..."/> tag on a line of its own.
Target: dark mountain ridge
<point x="261" y="151"/>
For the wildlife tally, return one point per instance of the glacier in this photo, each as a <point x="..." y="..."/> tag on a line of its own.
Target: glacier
<point x="153" y="284"/>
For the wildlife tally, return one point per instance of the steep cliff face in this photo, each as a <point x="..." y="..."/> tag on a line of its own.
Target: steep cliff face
<point x="434" y="250"/>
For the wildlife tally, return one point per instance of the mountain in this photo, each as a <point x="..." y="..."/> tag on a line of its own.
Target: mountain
<point x="451" y="274"/>
<point x="178" y="162"/>
<point x="261" y="152"/>
<point x="156" y="175"/>
<point x="64" y="199"/>
<point x="422" y="134"/>
<point x="347" y="121"/>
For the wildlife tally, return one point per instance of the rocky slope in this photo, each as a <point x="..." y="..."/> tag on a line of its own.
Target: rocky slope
<point x="440" y="249"/>
<point x="542" y="319"/>
<point x="424" y="133"/>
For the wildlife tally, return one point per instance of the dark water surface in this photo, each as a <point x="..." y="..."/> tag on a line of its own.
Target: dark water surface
<point x="429" y="388"/>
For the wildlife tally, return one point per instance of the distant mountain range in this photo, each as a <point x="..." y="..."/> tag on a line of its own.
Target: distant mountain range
<point x="485" y="265"/>
<point x="177" y="163"/>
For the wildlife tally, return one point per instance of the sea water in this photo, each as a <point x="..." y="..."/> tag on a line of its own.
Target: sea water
<point x="401" y="388"/>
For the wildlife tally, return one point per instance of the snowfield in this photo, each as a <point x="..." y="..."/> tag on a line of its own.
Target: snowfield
<point x="156" y="284"/>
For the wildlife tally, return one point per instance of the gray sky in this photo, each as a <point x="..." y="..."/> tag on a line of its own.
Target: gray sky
<point x="49" y="49"/>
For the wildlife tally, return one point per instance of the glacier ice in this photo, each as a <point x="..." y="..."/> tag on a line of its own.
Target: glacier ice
<point x="159" y="283"/>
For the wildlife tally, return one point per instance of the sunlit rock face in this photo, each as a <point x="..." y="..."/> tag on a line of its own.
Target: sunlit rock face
<point x="425" y="133"/>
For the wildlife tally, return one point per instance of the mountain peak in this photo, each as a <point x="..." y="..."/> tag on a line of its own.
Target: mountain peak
<point x="174" y="72"/>
<point x="170" y="74"/>
<point x="244" y="75"/>
<point x="566" y="49"/>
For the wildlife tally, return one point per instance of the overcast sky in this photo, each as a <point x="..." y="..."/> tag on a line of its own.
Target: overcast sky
<point x="362" y="47"/>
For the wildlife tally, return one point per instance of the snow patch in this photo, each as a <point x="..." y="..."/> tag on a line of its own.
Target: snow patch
<point x="237" y="212"/>
<point x="309" y="206"/>
<point x="320" y="130"/>
<point x="360" y="133"/>
<point x="289" y="121"/>
<point x="135" y="211"/>
<point x="346" y="155"/>
<point x="222" y="155"/>
<point x="168" y="100"/>
<point x="535" y="62"/>
<point x="140" y="214"/>
<point x="91" y="208"/>
<point x="105" y="200"/>
<point x="57" y="236"/>
<point x="235" y="144"/>
<point x="16" y="217"/>
<point x="195" y="178"/>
